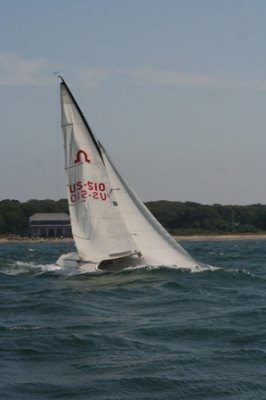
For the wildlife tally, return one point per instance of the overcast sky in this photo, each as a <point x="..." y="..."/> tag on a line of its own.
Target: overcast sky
<point x="174" y="89"/>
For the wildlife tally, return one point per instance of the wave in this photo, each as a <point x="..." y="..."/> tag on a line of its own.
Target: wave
<point x="30" y="266"/>
<point x="23" y="267"/>
<point x="196" y="269"/>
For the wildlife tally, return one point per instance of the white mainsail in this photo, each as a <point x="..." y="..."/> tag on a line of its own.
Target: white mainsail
<point x="97" y="226"/>
<point x="108" y="219"/>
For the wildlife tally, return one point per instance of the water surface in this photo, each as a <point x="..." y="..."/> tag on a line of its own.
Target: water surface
<point x="150" y="333"/>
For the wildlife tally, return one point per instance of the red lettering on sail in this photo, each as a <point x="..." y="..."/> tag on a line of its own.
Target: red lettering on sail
<point x="83" y="191"/>
<point x="85" y="157"/>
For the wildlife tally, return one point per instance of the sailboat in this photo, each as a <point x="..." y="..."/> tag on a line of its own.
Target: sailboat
<point x="111" y="226"/>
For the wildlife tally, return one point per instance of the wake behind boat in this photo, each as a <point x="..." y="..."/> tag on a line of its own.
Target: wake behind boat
<point x="111" y="226"/>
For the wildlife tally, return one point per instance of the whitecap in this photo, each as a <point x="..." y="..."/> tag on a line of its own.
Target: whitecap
<point x="196" y="269"/>
<point x="22" y="267"/>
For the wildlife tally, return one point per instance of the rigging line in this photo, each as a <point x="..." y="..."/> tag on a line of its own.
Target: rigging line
<point x="57" y="134"/>
<point x="59" y="177"/>
<point x="58" y="160"/>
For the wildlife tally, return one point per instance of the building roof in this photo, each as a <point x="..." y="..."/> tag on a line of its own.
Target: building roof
<point x="50" y="217"/>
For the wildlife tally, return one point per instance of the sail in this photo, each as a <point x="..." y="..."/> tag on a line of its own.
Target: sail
<point x="152" y="240"/>
<point x="98" y="228"/>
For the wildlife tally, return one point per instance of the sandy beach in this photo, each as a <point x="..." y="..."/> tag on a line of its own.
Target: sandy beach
<point x="244" y="236"/>
<point x="14" y="239"/>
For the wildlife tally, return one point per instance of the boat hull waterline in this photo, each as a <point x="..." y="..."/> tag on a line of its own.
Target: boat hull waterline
<point x="72" y="261"/>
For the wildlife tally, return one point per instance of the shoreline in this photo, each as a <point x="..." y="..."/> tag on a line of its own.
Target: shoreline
<point x="4" y="240"/>
<point x="207" y="237"/>
<point x="244" y="236"/>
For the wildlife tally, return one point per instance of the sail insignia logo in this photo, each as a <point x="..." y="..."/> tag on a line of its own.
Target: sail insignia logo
<point x="81" y="156"/>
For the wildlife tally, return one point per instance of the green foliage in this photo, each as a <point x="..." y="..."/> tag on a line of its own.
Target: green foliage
<point x="177" y="217"/>
<point x="189" y="217"/>
<point x="2" y="224"/>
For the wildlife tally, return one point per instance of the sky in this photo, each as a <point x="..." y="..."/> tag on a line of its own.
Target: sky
<point x="174" y="89"/>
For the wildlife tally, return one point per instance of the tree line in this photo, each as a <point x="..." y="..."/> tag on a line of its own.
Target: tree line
<point x="176" y="217"/>
<point x="190" y="216"/>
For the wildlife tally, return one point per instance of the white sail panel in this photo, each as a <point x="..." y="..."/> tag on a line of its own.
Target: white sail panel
<point x="155" y="244"/>
<point x="98" y="228"/>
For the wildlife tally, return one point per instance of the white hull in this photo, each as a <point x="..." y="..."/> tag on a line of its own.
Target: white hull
<point x="72" y="260"/>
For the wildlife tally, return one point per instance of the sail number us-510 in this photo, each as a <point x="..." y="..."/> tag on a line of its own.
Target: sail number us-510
<point x="85" y="190"/>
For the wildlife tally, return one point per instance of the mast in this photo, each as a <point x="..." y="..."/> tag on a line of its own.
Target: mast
<point x="63" y="83"/>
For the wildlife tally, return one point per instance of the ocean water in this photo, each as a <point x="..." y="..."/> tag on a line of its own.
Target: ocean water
<point x="149" y="333"/>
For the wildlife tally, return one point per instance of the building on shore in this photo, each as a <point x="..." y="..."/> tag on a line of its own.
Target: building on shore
<point x="50" y="225"/>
